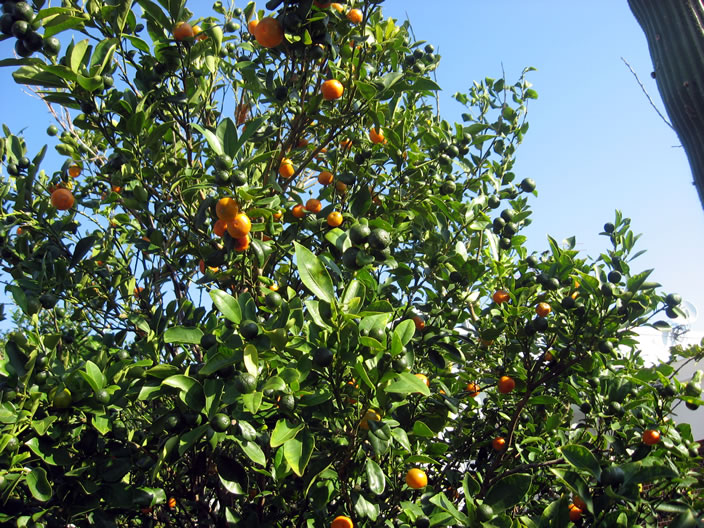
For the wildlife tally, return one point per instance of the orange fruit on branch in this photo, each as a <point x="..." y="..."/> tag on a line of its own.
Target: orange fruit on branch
<point x="506" y="384"/>
<point x="498" y="443"/>
<point x="543" y="309"/>
<point x="419" y="322"/>
<point x="62" y="199"/>
<point x="298" y="211"/>
<point x="314" y="206"/>
<point x="341" y="521"/>
<point x="423" y="378"/>
<point x="575" y="513"/>
<point x="370" y="415"/>
<point x="198" y="33"/>
<point x="269" y="32"/>
<point x="242" y="243"/>
<point x="376" y="136"/>
<point x="325" y="178"/>
<point x="334" y="219"/>
<point x="183" y="30"/>
<point x="500" y="296"/>
<point x="332" y="89"/>
<point x="416" y="478"/>
<point x="240" y="226"/>
<point x="651" y="437"/>
<point x="473" y="389"/>
<point x="286" y="169"/>
<point x="74" y="171"/>
<point x="226" y="209"/>
<point x="252" y="26"/>
<point x="220" y="227"/>
<point x="355" y="16"/>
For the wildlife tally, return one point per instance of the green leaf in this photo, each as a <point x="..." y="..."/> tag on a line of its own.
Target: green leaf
<point x="183" y="334"/>
<point x="375" y="477"/>
<point x="581" y="458"/>
<point x="441" y="501"/>
<point x="211" y="138"/>
<point x="77" y="54"/>
<point x="191" y="391"/>
<point x="251" y="360"/>
<point x="38" y="484"/>
<point x="94" y="377"/>
<point x="253" y="451"/>
<point x="508" y="492"/>
<point x="402" y="438"/>
<point x="407" y="383"/>
<point x="227" y="134"/>
<point x="298" y="451"/>
<point x="102" y="55"/>
<point x="227" y="305"/>
<point x="405" y="331"/>
<point x="82" y="248"/>
<point x="313" y="274"/>
<point x="283" y="432"/>
<point x="252" y="401"/>
<point x="187" y="440"/>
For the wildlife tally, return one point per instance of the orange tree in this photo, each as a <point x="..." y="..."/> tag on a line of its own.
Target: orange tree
<point x="269" y="286"/>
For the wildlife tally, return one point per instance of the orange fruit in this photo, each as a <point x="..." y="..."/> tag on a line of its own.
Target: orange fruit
<point x="342" y="521"/>
<point x="473" y="389"/>
<point x="543" y="309"/>
<point x="220" y="227"/>
<point x="334" y="219"/>
<point x="269" y="32"/>
<point x="198" y="33"/>
<point x="74" y="171"/>
<point x="138" y="291"/>
<point x="372" y="415"/>
<point x="332" y="89"/>
<point x="240" y="226"/>
<point x="419" y="322"/>
<point x="651" y="436"/>
<point x="500" y="296"/>
<point x="242" y="243"/>
<point x="277" y="215"/>
<point x="172" y="503"/>
<point x="506" y="384"/>
<point x="416" y="478"/>
<point x="116" y="188"/>
<point x="20" y="231"/>
<point x="498" y="443"/>
<point x="183" y="30"/>
<point x="337" y="7"/>
<point x="274" y="287"/>
<point x="286" y="168"/>
<point x="423" y="378"/>
<point x="346" y="144"/>
<point x="62" y="199"/>
<point x="548" y="356"/>
<point x="226" y="209"/>
<point x="575" y="513"/>
<point x="355" y="16"/>
<point x="340" y="187"/>
<point x="325" y="178"/>
<point x="376" y="135"/>
<point x="313" y="205"/>
<point x="579" y="503"/>
<point x="252" y="26"/>
<point x="298" y="211"/>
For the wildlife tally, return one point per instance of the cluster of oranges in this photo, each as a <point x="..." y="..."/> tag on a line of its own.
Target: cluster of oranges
<point x="236" y="223"/>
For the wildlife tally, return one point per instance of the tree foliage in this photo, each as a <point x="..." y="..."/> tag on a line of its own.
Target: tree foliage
<point x="168" y="369"/>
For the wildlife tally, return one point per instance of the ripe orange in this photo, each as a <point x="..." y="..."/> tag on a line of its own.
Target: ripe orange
<point x="579" y="503"/>
<point x="334" y="219"/>
<point x="240" y="226"/>
<point x="274" y="287"/>
<point x="332" y="89"/>
<point x="419" y="322"/>
<point x="252" y="25"/>
<point x="473" y="389"/>
<point x="298" y="211"/>
<point x="340" y="187"/>
<point x="337" y="7"/>
<point x="62" y="199"/>
<point x="346" y="144"/>
<point x="342" y="521"/>
<point x="325" y="178"/>
<point x="172" y="503"/>
<point x="242" y="243"/>
<point x="183" y="30"/>
<point x="423" y="378"/>
<point x="498" y="443"/>
<point x="74" y="171"/>
<point x="372" y="415"/>
<point x="198" y="33"/>
<point x="500" y="296"/>
<point x="138" y="291"/>
<point x="543" y="309"/>
<point x="116" y="188"/>
<point x="506" y="384"/>
<point x="277" y="215"/>
<point x="286" y="168"/>
<point x="416" y="478"/>
<point x="355" y="16"/>
<point x="226" y="209"/>
<point x="313" y="205"/>
<point x="651" y="436"/>
<point x="220" y="227"/>
<point x="269" y="32"/>
<point x="376" y="135"/>
<point x="575" y="513"/>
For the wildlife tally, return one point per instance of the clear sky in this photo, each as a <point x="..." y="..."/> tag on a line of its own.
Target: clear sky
<point x="594" y="144"/>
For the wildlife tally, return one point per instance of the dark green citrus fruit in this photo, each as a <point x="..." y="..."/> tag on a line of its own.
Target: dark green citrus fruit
<point x="527" y="185"/>
<point x="673" y="299"/>
<point x="614" y="277"/>
<point x="349" y="258"/>
<point x="12" y="444"/>
<point x="448" y="187"/>
<point x="494" y="201"/>
<point x="62" y="399"/>
<point x="359" y="233"/>
<point x="51" y="46"/>
<point x="249" y="329"/>
<point x="238" y="178"/>
<point x="379" y="239"/>
<point x="273" y="300"/>
<point x="208" y="340"/>
<point x="223" y="162"/>
<point x="20" y="28"/>
<point x="246" y="383"/>
<point x="400" y="364"/>
<point x="22" y="51"/>
<point x="102" y="396"/>
<point x="220" y="422"/>
<point x="377" y="333"/>
<point x="23" y="11"/>
<point x="609" y="227"/>
<point x="422" y="522"/>
<point x="322" y="357"/>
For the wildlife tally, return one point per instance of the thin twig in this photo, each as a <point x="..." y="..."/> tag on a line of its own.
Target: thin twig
<point x="650" y="100"/>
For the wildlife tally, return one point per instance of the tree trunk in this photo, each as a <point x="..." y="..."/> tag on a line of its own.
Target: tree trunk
<point x="674" y="30"/>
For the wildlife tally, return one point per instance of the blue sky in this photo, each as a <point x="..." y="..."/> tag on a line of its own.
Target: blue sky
<point x="594" y="144"/>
